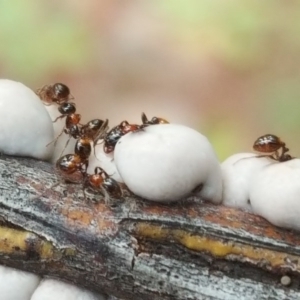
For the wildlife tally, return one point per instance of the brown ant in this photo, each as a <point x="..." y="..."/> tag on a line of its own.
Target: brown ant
<point x="113" y="136"/>
<point x="68" y="111"/>
<point x="83" y="149"/>
<point x="72" y="167"/>
<point x="153" y="121"/>
<point x="269" y="143"/>
<point x="58" y="93"/>
<point x="100" y="181"/>
<point x="95" y="130"/>
<point x="89" y="134"/>
<point x="78" y="162"/>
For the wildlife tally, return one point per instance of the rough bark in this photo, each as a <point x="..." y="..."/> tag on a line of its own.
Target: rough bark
<point x="135" y="249"/>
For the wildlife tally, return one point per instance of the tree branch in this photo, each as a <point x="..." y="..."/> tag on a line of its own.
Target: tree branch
<point x="137" y="249"/>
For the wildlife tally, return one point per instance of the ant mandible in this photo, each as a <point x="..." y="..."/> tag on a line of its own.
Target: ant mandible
<point x="270" y="143"/>
<point x="57" y="93"/>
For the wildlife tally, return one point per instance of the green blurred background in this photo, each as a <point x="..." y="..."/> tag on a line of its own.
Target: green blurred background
<point x="230" y="69"/>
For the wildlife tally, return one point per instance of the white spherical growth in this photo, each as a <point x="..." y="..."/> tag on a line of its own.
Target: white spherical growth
<point x="50" y="289"/>
<point x="275" y="194"/>
<point x="26" y="127"/>
<point x="238" y="171"/>
<point x="168" y="162"/>
<point x="16" y="284"/>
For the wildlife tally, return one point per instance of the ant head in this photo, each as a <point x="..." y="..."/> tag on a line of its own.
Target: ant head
<point x="67" y="108"/>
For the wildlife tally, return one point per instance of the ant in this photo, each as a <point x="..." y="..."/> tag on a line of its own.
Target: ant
<point x="79" y="161"/>
<point x="100" y="181"/>
<point x="58" y="93"/>
<point x="88" y="134"/>
<point x="112" y="137"/>
<point x="72" y="167"/>
<point x="269" y="143"/>
<point x="153" y="121"/>
<point x="94" y="130"/>
<point x="76" y="163"/>
<point x="68" y="111"/>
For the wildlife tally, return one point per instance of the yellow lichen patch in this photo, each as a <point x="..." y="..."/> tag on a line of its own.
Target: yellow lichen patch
<point x="69" y="252"/>
<point x="14" y="241"/>
<point x="45" y="249"/>
<point x="219" y="248"/>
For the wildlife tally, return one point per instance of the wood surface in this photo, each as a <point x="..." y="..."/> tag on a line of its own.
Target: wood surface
<point x="134" y="249"/>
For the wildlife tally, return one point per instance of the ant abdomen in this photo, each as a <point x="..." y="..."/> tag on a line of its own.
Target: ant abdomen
<point x="83" y="148"/>
<point x="268" y="143"/>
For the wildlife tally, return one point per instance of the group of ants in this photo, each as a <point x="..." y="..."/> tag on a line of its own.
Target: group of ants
<point x="73" y="167"/>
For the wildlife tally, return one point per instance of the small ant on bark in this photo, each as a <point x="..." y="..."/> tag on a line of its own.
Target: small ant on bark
<point x="112" y="137"/>
<point x="269" y="143"/>
<point x="58" y="93"/>
<point x="72" y="167"/>
<point x="100" y="181"/>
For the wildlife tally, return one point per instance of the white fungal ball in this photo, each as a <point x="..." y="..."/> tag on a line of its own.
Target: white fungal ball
<point x="16" y="284"/>
<point x="58" y="127"/>
<point x="105" y="161"/>
<point x="50" y="289"/>
<point x="168" y="162"/>
<point x="238" y="171"/>
<point x="285" y="280"/>
<point x="26" y="127"/>
<point x="275" y="194"/>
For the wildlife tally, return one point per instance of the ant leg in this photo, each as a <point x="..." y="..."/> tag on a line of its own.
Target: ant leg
<point x="276" y="155"/>
<point x="94" y="146"/>
<point x="284" y="150"/>
<point x="257" y="156"/>
<point x="59" y="117"/>
<point x="66" y="145"/>
<point x="84" y="194"/>
<point x="285" y="157"/>
<point x="83" y="169"/>
<point x="106" y="196"/>
<point x="98" y="171"/>
<point x="55" y="140"/>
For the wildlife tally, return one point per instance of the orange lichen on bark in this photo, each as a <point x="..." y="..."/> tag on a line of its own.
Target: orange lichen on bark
<point x="106" y="226"/>
<point x="78" y="216"/>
